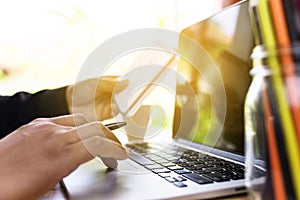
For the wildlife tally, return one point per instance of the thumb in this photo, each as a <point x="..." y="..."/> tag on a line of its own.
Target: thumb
<point x="113" y="84"/>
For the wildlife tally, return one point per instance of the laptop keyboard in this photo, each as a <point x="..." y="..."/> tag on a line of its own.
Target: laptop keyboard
<point x="176" y="164"/>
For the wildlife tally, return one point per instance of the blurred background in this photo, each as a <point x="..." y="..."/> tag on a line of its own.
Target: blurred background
<point x="44" y="43"/>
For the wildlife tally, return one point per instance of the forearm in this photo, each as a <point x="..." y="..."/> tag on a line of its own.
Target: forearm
<point x="23" y="107"/>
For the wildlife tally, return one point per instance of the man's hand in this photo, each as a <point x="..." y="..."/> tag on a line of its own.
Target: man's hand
<point x="35" y="157"/>
<point x="94" y="97"/>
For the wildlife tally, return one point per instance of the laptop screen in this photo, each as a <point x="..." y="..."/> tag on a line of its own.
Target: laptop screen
<point x="209" y="105"/>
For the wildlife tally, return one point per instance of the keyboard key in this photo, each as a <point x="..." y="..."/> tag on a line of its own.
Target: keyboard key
<point x="237" y="176"/>
<point x="152" y="157"/>
<point x="165" y="170"/>
<point x="161" y="161"/>
<point x="179" y="184"/>
<point x="180" y="178"/>
<point x="154" y="166"/>
<point x="168" y="164"/>
<point x="197" y="178"/>
<point x="176" y="167"/>
<point x="182" y="171"/>
<point x="170" y="158"/>
<point x="140" y="159"/>
<point x="170" y="179"/>
<point x="217" y="177"/>
<point x="204" y="171"/>
<point x="164" y="175"/>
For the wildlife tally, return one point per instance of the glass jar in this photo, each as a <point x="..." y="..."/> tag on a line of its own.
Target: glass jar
<point x="272" y="124"/>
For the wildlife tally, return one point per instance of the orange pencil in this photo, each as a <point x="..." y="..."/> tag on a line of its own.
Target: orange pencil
<point x="276" y="170"/>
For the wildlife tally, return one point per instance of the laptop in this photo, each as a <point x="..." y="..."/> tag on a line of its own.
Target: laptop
<point x="203" y="160"/>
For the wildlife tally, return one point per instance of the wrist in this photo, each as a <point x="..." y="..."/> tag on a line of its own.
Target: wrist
<point x="69" y="94"/>
<point x="7" y="184"/>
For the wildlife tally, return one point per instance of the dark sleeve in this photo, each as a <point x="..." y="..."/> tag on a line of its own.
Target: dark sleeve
<point x="23" y="107"/>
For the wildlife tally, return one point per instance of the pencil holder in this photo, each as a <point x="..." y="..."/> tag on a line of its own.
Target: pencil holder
<point x="272" y="123"/>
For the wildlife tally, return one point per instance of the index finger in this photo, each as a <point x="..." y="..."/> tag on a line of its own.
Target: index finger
<point x="86" y="150"/>
<point x="88" y="130"/>
<point x="69" y="120"/>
